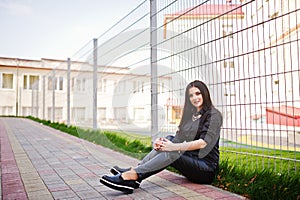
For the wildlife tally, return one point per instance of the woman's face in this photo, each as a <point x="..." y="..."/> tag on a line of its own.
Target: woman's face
<point x="196" y="98"/>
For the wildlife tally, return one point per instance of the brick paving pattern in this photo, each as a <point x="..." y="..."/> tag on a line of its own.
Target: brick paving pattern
<point x="38" y="162"/>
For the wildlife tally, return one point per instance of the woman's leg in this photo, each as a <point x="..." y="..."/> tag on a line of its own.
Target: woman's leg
<point x="149" y="156"/>
<point x="153" y="153"/>
<point x="157" y="163"/>
<point x="194" y="169"/>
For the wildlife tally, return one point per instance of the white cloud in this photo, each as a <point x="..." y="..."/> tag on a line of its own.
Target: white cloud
<point x="15" y="7"/>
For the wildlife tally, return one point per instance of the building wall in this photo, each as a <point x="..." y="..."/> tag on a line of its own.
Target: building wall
<point x="122" y="97"/>
<point x="254" y="54"/>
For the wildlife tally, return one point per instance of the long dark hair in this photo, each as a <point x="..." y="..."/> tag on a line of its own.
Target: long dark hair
<point x="188" y="108"/>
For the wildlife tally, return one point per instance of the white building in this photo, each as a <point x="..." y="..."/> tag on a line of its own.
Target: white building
<point x="39" y="88"/>
<point x="274" y="36"/>
<point x="252" y="51"/>
<point x="213" y="49"/>
<point x="249" y="57"/>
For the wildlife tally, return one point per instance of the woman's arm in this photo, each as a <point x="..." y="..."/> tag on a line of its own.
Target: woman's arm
<point x="190" y="146"/>
<point x="210" y="133"/>
<point x="164" y="144"/>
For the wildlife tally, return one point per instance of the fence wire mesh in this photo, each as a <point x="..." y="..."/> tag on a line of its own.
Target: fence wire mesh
<point x="246" y="51"/>
<point x="248" y="54"/>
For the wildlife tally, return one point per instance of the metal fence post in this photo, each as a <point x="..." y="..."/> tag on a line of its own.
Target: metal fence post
<point x="68" y="91"/>
<point x="153" y="60"/>
<point x="53" y="94"/>
<point x="17" y="88"/>
<point x="32" y="100"/>
<point x="44" y="98"/>
<point x="95" y="85"/>
<point x="37" y="98"/>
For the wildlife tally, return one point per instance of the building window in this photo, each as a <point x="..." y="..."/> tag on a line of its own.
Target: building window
<point x="229" y="64"/>
<point x="83" y="84"/>
<point x="6" y="110"/>
<point x="120" y="114"/>
<point x="53" y="82"/>
<point x="227" y="26"/>
<point x="229" y="89"/>
<point x="102" y="85"/>
<point x="134" y="87"/>
<point x="30" y="111"/>
<point x="78" y="114"/>
<point x="26" y="111"/>
<point x="227" y="33"/>
<point x="139" y="114"/>
<point x="260" y="8"/>
<point x="274" y="15"/>
<point x="120" y="86"/>
<point x="227" y="30"/>
<point x="138" y="86"/>
<point x="161" y="88"/>
<point x="60" y="83"/>
<point x="25" y="81"/>
<point x="7" y="81"/>
<point x="30" y="82"/>
<point x="58" y="113"/>
<point x="78" y="84"/>
<point x="176" y="114"/>
<point x="101" y="114"/>
<point x="142" y="86"/>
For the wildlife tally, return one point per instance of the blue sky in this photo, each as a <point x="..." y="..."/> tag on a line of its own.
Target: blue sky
<point x="55" y="29"/>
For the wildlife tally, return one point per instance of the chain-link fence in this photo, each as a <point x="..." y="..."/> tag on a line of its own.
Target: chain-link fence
<point x="132" y="78"/>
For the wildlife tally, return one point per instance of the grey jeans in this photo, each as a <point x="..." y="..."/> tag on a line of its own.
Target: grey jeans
<point x="193" y="168"/>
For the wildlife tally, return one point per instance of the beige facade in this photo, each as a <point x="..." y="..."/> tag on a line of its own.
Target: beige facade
<point x="39" y="88"/>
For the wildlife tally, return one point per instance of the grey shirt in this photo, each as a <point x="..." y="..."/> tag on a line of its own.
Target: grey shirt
<point x="208" y="128"/>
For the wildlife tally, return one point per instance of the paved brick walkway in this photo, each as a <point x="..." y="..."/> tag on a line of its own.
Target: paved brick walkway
<point x="38" y="162"/>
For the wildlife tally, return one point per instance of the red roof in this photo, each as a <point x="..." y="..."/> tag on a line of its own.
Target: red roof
<point x="212" y="9"/>
<point x="285" y="110"/>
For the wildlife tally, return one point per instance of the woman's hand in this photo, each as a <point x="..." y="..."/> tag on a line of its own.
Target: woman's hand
<point x="157" y="143"/>
<point x="163" y="144"/>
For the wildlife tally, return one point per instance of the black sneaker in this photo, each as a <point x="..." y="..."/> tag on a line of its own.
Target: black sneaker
<point x="117" y="170"/>
<point x="118" y="183"/>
